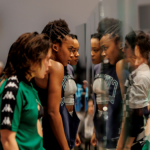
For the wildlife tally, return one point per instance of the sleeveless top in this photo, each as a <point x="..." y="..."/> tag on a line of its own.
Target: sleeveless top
<point x="70" y="123"/>
<point x="113" y="123"/>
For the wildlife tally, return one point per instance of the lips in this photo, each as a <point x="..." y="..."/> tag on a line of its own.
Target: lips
<point x="76" y="60"/>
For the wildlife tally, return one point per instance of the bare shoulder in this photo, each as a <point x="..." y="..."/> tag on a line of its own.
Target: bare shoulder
<point x="120" y="63"/>
<point x="56" y="69"/>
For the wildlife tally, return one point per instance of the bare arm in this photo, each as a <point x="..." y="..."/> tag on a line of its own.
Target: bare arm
<point x="8" y="140"/>
<point x="119" y="71"/>
<point x="54" y="99"/>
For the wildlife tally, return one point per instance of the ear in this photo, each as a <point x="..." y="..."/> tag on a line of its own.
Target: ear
<point x="55" y="47"/>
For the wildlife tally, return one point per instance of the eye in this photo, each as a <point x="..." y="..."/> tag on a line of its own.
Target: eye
<point x="70" y="49"/>
<point x="95" y="50"/>
<point x="105" y="48"/>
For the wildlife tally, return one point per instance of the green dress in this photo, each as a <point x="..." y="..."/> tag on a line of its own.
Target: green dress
<point x="23" y="115"/>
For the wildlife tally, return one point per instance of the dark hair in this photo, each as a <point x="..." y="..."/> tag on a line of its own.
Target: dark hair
<point x="56" y="30"/>
<point x="96" y="36"/>
<point x="143" y="41"/>
<point x="106" y="23"/>
<point x="29" y="48"/>
<point x="115" y="32"/>
<point x="130" y="37"/>
<point x="73" y="36"/>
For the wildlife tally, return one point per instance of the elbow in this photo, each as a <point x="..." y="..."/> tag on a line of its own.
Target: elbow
<point x="4" y="139"/>
<point x="53" y="114"/>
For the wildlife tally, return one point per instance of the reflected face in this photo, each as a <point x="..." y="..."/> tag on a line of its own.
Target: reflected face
<point x="65" y="53"/>
<point x="90" y="107"/>
<point x="95" y="51"/>
<point x="128" y="51"/>
<point x="74" y="58"/>
<point x="110" y="50"/>
<point x="139" y="58"/>
<point x="41" y="71"/>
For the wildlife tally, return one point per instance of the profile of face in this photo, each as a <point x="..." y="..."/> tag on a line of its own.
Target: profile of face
<point x="63" y="52"/>
<point x="95" y="51"/>
<point x="139" y="59"/>
<point x="128" y="51"/>
<point x="110" y="49"/>
<point x="39" y="71"/>
<point x="90" y="107"/>
<point x="75" y="57"/>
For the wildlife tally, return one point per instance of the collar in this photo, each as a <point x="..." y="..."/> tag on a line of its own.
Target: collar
<point x="142" y="67"/>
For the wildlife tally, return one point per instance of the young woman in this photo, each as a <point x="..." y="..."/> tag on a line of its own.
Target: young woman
<point x="19" y="102"/>
<point x="124" y="67"/>
<point x="111" y="50"/>
<point x="75" y="57"/>
<point x="137" y="93"/>
<point x="59" y="127"/>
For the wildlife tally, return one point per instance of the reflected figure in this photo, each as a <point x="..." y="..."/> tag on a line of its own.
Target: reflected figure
<point x="111" y="110"/>
<point x="137" y="94"/>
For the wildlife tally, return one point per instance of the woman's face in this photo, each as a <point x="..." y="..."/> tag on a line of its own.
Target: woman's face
<point x="90" y="107"/>
<point x="74" y="58"/>
<point x="139" y="59"/>
<point x="64" y="52"/>
<point x="110" y="50"/>
<point x="41" y="71"/>
<point x="128" y="51"/>
<point x="95" y="51"/>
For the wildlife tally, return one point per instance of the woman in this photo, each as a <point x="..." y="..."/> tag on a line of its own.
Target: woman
<point x="57" y="131"/>
<point x="137" y="93"/>
<point x="124" y="67"/>
<point x="111" y="50"/>
<point x="19" y="102"/>
<point x="99" y="121"/>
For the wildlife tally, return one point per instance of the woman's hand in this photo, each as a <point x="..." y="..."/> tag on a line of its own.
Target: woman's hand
<point x="78" y="141"/>
<point x="93" y="140"/>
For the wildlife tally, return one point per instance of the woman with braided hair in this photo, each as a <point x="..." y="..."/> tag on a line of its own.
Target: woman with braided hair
<point x="59" y="127"/>
<point x="111" y="51"/>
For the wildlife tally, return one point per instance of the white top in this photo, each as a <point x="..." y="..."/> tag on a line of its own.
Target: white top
<point x="70" y="90"/>
<point x="101" y="90"/>
<point x="139" y="87"/>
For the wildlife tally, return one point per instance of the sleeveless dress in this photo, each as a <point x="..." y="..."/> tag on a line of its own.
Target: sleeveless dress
<point x="109" y="124"/>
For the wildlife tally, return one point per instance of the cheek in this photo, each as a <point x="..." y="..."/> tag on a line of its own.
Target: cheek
<point x="98" y="54"/>
<point x="128" y="52"/>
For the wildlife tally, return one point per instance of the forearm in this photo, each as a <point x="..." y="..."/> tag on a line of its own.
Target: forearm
<point x="121" y="140"/>
<point x="129" y="142"/>
<point x="57" y="127"/>
<point x="9" y="144"/>
<point x="93" y="130"/>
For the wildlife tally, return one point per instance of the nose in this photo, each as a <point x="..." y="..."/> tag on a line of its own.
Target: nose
<point x="103" y="53"/>
<point x="92" y="54"/>
<point x="123" y="50"/>
<point x="77" y="55"/>
<point x="71" y="55"/>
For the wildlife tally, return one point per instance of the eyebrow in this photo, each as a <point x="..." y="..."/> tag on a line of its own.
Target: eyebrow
<point x="102" y="46"/>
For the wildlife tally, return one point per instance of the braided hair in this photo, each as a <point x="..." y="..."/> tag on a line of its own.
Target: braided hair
<point x="96" y="36"/>
<point x="57" y="30"/>
<point x="105" y="23"/>
<point x="73" y="36"/>
<point x="115" y="32"/>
